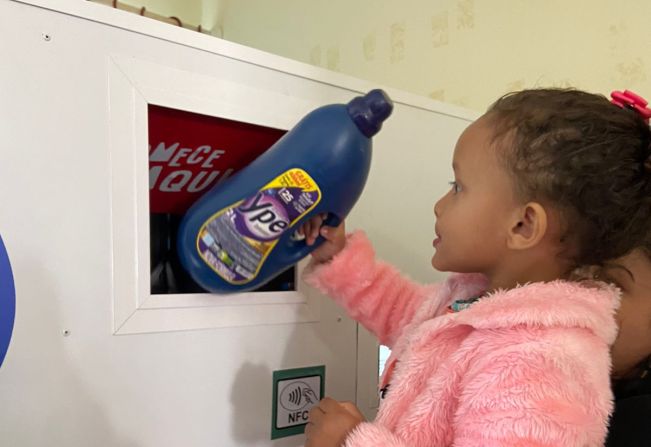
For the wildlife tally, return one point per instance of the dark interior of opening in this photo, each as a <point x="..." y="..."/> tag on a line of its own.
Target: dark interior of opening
<point x="167" y="273"/>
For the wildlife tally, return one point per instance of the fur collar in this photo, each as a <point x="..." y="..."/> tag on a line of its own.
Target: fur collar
<point x="591" y="305"/>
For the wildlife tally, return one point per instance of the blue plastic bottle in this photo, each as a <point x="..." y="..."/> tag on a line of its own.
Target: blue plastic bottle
<point x="239" y="235"/>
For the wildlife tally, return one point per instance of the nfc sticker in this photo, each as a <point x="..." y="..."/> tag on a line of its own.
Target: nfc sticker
<point x="296" y="392"/>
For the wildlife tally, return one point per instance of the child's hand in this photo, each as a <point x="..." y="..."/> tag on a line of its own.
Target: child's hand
<point x="335" y="238"/>
<point x="330" y="422"/>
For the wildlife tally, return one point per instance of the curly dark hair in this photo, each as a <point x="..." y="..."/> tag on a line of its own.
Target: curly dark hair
<point x="588" y="158"/>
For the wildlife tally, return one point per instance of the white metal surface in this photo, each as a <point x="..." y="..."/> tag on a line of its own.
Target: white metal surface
<point x="74" y="222"/>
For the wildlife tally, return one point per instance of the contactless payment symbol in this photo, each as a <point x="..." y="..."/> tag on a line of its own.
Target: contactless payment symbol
<point x="295" y="392"/>
<point x="297" y="395"/>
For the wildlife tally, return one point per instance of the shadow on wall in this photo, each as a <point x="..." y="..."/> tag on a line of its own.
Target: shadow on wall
<point x="46" y="405"/>
<point x="248" y="408"/>
<point x="251" y="412"/>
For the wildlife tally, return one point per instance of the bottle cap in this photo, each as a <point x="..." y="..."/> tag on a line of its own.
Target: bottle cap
<point x="369" y="111"/>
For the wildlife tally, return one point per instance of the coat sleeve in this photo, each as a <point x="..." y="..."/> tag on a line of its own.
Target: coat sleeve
<point x="372" y="292"/>
<point x="526" y="395"/>
<point x="369" y="434"/>
<point x="535" y="394"/>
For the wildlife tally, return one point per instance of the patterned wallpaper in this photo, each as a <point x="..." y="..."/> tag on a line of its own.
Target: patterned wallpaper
<point x="464" y="52"/>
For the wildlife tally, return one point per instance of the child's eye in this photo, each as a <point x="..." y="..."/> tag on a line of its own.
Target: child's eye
<point x="455" y="187"/>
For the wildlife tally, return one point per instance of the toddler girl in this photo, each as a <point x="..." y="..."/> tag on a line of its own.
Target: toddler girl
<point x="512" y="349"/>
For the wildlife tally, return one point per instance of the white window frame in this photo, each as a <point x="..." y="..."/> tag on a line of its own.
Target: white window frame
<point x="133" y="84"/>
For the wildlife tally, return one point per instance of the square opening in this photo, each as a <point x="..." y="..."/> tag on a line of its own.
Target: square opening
<point x="192" y="114"/>
<point x="189" y="154"/>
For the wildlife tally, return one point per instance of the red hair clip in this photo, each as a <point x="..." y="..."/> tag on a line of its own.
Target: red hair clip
<point x="629" y="100"/>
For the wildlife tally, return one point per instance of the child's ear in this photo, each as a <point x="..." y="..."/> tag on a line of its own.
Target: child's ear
<point x="529" y="227"/>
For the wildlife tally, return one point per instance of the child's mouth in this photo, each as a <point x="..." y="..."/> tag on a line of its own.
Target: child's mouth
<point x="437" y="240"/>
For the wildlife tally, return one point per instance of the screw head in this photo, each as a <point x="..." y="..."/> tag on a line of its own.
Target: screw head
<point x="47" y="37"/>
<point x="66" y="332"/>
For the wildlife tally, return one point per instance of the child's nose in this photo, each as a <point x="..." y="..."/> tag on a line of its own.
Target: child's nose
<point x="438" y="206"/>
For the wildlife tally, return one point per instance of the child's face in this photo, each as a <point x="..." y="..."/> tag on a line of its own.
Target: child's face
<point x="473" y="218"/>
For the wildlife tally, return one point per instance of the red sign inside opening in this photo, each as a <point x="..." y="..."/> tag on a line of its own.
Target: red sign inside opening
<point x="190" y="153"/>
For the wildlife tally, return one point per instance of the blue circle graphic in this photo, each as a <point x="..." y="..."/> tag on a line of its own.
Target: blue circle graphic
<point x="7" y="301"/>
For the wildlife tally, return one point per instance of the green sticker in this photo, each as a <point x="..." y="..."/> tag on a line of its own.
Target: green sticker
<point x="295" y="392"/>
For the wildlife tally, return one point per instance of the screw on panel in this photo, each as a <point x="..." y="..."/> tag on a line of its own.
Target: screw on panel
<point x="47" y="37"/>
<point x="66" y="333"/>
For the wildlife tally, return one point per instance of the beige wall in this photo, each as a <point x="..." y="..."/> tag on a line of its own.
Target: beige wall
<point x="207" y="13"/>
<point x="188" y="11"/>
<point x="465" y="52"/>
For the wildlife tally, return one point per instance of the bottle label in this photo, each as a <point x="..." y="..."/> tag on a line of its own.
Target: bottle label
<point x="237" y="240"/>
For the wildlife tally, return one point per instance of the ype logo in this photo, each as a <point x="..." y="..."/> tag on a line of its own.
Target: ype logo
<point x="264" y="217"/>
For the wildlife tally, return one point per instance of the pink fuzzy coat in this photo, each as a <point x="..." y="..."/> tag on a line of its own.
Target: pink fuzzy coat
<point x="524" y="367"/>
